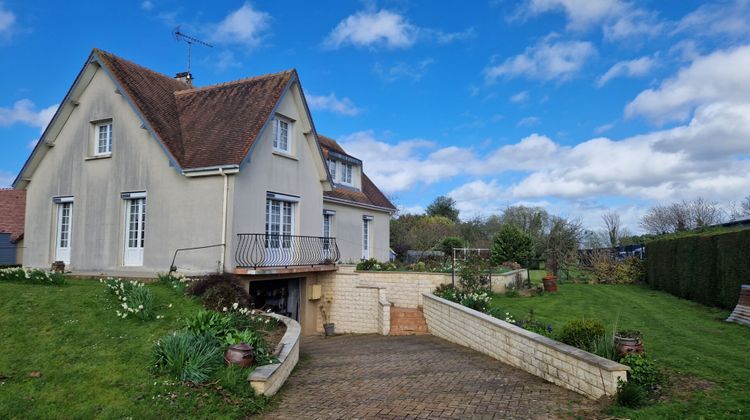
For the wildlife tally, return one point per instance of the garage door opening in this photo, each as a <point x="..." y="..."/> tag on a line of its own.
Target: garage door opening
<point x="278" y="296"/>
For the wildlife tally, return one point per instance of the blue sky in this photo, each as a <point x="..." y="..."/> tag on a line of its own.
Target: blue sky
<point x="578" y="106"/>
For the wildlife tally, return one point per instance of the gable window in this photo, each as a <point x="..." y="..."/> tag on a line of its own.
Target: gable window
<point x="103" y="139"/>
<point x="332" y="168"/>
<point x="281" y="141"/>
<point x="346" y="173"/>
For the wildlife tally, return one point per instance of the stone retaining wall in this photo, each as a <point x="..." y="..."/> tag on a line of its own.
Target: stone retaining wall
<point x="267" y="379"/>
<point x="559" y="363"/>
<point x="500" y="282"/>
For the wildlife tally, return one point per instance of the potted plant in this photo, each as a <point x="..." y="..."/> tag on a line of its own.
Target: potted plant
<point x="628" y="342"/>
<point x="325" y="311"/>
<point x="550" y="282"/>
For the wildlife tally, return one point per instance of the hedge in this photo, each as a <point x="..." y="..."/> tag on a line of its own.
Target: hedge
<point x="708" y="269"/>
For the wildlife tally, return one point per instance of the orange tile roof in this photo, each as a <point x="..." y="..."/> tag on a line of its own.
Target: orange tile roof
<point x="12" y="212"/>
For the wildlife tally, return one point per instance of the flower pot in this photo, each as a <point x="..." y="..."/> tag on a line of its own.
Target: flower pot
<point x="550" y="283"/>
<point x="328" y="328"/>
<point x="628" y="345"/>
<point x="240" y="354"/>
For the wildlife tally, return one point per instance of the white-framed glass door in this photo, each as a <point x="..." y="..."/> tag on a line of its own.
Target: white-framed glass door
<point x="64" y="229"/>
<point x="135" y="229"/>
<point x="279" y="231"/>
<point x="327" y="219"/>
<point x="365" y="239"/>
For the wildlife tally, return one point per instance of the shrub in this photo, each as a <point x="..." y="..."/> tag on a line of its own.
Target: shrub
<point x="367" y="265"/>
<point x="582" y="333"/>
<point x="512" y="244"/>
<point x="705" y="269"/>
<point x="604" y="346"/>
<point x="449" y="243"/>
<point x="210" y="323"/>
<point x="32" y="275"/>
<point x="631" y="395"/>
<point x="218" y="291"/>
<point x="447" y="291"/>
<point x="530" y="323"/>
<point x="471" y="274"/>
<point x="251" y="320"/>
<point x="643" y="371"/>
<point x="187" y="356"/>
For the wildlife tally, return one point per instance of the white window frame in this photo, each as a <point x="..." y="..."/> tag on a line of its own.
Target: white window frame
<point x="332" y="168"/>
<point x="277" y="143"/>
<point x="346" y="173"/>
<point x="63" y="227"/>
<point x="366" y="237"/>
<point x="107" y="146"/>
<point x="133" y="246"/>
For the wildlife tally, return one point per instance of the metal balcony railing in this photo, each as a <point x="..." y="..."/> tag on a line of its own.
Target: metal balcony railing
<point x="268" y="250"/>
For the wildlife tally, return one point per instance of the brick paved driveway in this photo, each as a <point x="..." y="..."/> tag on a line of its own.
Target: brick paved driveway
<point x="423" y="376"/>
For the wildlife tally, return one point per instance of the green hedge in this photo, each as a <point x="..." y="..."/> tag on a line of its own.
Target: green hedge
<point x="708" y="269"/>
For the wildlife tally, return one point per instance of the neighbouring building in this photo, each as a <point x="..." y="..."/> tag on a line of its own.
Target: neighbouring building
<point x="12" y="207"/>
<point x="138" y="171"/>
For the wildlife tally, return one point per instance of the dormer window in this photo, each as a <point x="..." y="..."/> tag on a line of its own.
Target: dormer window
<point x="332" y="168"/>
<point x="282" y="141"/>
<point x="103" y="145"/>
<point x="346" y="173"/>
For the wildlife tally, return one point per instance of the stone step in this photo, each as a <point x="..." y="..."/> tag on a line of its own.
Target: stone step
<point x="407" y="321"/>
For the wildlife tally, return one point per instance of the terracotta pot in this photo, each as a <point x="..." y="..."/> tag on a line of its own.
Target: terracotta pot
<point x="550" y="283"/>
<point x="628" y="345"/>
<point x="240" y="354"/>
<point x="329" y="329"/>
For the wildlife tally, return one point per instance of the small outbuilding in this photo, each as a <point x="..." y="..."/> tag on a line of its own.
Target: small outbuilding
<point x="12" y="210"/>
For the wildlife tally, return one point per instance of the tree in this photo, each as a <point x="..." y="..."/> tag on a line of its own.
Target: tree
<point x="445" y="207"/>
<point x="535" y="221"/>
<point x="681" y="216"/>
<point x="563" y="242"/>
<point x="612" y="227"/>
<point x="449" y="243"/>
<point x="428" y="231"/>
<point x="512" y="244"/>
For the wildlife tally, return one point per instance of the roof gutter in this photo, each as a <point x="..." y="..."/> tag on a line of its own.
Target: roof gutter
<point x="356" y="204"/>
<point x="211" y="171"/>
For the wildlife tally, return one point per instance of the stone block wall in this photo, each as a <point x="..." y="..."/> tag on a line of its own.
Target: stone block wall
<point x="553" y="361"/>
<point x="500" y="282"/>
<point x="267" y="379"/>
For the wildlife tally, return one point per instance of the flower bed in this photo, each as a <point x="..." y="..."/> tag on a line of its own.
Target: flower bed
<point x="32" y="275"/>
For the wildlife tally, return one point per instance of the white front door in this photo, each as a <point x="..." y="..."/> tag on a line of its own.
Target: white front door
<point x="62" y="238"/>
<point x="365" y="239"/>
<point x="135" y="227"/>
<point x="279" y="231"/>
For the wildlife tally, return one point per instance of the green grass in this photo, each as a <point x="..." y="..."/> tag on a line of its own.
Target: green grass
<point x="93" y="364"/>
<point x="691" y="340"/>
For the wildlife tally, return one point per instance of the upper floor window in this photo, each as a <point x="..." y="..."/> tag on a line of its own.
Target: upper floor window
<point x="346" y="173"/>
<point x="103" y="139"/>
<point x="282" y="141"/>
<point x="332" y="168"/>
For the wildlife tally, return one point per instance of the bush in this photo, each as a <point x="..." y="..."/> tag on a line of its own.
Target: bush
<point x="187" y="356"/>
<point x="219" y="291"/>
<point x="643" y="371"/>
<point x="631" y="395"/>
<point x="471" y="275"/>
<point x="210" y="323"/>
<point x="32" y="275"/>
<point x="512" y="244"/>
<point x="604" y="346"/>
<point x="477" y="300"/>
<point x="582" y="333"/>
<point x="447" y="291"/>
<point x="367" y="265"/>
<point x="706" y="269"/>
<point x="449" y="243"/>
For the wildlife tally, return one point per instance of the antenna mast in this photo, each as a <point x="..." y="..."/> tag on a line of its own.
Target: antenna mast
<point x="189" y="40"/>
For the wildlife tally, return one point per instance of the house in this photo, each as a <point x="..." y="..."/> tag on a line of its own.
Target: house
<point x="12" y="204"/>
<point x="139" y="171"/>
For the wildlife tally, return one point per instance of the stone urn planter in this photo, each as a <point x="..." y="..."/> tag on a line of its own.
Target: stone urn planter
<point x="628" y="342"/>
<point x="550" y="283"/>
<point x="329" y="329"/>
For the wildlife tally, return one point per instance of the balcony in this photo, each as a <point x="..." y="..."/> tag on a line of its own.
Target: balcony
<point x="260" y="253"/>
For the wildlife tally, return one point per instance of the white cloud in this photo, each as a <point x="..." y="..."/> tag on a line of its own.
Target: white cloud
<point x="725" y="19"/>
<point x="6" y="179"/>
<point x="720" y="76"/>
<point x="226" y="60"/>
<point x="7" y="22"/>
<point x="246" y="26"/>
<point x="331" y="103"/>
<point x="389" y="29"/>
<point x="403" y="70"/>
<point x="147" y="6"/>
<point x="604" y="127"/>
<point x="631" y="68"/>
<point x="528" y="122"/>
<point x="417" y="209"/>
<point x="548" y="60"/>
<point x="520" y="97"/>
<point x="24" y="112"/>
<point x="618" y="19"/>
<point x="365" y="29"/>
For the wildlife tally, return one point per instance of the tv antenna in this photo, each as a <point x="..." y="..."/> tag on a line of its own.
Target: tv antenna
<point x="189" y="40"/>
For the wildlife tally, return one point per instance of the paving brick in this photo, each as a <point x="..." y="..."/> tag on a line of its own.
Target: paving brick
<point x="371" y="376"/>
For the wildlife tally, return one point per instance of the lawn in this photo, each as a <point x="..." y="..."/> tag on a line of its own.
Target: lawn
<point x="92" y="364"/>
<point x="706" y="357"/>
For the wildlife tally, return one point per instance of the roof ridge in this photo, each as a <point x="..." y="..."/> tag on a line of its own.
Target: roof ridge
<point x="234" y="82"/>
<point x="160" y="74"/>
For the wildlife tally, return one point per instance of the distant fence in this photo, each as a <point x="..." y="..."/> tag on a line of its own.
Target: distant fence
<point x="618" y="253"/>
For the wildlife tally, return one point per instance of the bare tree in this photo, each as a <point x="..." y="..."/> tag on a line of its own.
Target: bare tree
<point x="680" y="216"/>
<point x="740" y="211"/>
<point x="612" y="227"/>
